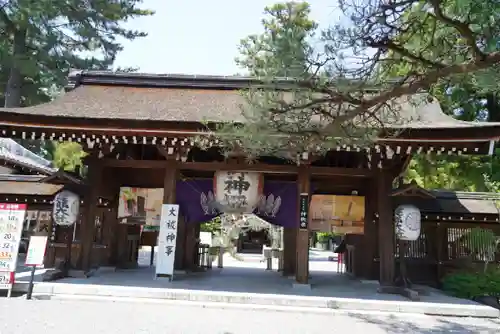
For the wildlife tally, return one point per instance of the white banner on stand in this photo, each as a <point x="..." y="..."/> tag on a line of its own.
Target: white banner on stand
<point x="36" y="250"/>
<point x="11" y="229"/>
<point x="167" y="240"/>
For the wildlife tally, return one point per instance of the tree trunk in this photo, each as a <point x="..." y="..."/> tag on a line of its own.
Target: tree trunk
<point x="15" y="82"/>
<point x="493" y="106"/>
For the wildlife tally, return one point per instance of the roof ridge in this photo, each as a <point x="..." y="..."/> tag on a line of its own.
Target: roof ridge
<point x="451" y="194"/>
<point x="231" y="82"/>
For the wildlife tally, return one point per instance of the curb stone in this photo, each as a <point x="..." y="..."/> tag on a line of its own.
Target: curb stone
<point x="87" y="290"/>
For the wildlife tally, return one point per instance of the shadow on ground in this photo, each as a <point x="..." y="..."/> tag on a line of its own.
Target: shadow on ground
<point x="250" y="277"/>
<point x="397" y="324"/>
<point x="3" y="293"/>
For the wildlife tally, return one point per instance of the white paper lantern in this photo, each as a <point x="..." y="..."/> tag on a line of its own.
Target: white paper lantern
<point x="66" y="208"/>
<point x="237" y="192"/>
<point x="407" y="222"/>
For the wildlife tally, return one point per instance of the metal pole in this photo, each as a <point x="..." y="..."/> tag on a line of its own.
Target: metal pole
<point x="32" y="280"/>
<point x="219" y="259"/>
<point x="152" y="256"/>
<point x="269" y="261"/>
<point x="280" y="260"/>
<point x="202" y="260"/>
<point x="210" y="259"/>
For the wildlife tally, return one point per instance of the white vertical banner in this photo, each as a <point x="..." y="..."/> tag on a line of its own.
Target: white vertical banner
<point x="166" y="240"/>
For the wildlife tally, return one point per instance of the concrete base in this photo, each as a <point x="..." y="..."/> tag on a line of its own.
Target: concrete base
<point x="106" y="270"/>
<point x="301" y="287"/>
<point x="77" y="273"/>
<point x="58" y="290"/>
<point x="412" y="293"/>
<point x="293" y="277"/>
<point x="52" y="275"/>
<point x="180" y="272"/>
<point x="405" y="292"/>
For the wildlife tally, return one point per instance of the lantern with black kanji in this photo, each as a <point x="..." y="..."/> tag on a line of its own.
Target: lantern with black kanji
<point x="236" y="191"/>
<point x="407" y="222"/>
<point x="66" y="208"/>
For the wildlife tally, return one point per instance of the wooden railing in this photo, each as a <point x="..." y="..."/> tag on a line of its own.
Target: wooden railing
<point x="442" y="247"/>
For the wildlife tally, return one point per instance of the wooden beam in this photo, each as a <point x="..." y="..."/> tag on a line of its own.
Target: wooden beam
<point x="163" y="151"/>
<point x="148" y="164"/>
<point x="62" y="177"/>
<point x="215" y="166"/>
<point x="338" y="171"/>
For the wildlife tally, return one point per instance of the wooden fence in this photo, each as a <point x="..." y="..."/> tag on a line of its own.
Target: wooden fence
<point x="444" y="247"/>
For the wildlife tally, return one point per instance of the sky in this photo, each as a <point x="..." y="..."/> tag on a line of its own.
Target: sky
<point x="199" y="36"/>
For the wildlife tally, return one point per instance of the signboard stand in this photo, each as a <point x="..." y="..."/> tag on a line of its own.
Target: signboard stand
<point x="34" y="258"/>
<point x="167" y="241"/>
<point x="11" y="228"/>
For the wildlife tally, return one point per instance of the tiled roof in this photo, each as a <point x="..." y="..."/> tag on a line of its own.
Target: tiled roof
<point x="14" y="154"/>
<point x="145" y="103"/>
<point x="451" y="202"/>
<point x="29" y="188"/>
<point x="171" y="98"/>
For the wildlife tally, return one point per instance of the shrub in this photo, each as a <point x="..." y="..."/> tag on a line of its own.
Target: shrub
<point x="473" y="284"/>
<point x="324" y="237"/>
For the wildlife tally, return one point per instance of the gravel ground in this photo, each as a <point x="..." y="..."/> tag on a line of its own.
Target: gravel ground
<point x="20" y="316"/>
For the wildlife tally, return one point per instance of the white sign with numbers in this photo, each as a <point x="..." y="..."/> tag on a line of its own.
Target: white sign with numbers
<point x="166" y="240"/>
<point x="11" y="228"/>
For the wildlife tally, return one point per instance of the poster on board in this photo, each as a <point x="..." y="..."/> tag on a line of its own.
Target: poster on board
<point x="206" y="238"/>
<point x="36" y="250"/>
<point x="141" y="206"/>
<point x="167" y="240"/>
<point x="339" y="214"/>
<point x="11" y="228"/>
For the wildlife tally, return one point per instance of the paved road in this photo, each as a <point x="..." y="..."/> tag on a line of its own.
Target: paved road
<point x="92" y="317"/>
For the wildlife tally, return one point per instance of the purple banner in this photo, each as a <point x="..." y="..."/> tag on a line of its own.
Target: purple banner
<point x="277" y="205"/>
<point x="195" y="198"/>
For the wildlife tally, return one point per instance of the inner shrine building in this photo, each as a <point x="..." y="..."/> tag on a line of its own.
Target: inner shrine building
<point x="139" y="129"/>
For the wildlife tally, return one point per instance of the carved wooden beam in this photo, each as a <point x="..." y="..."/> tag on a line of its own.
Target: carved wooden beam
<point x="165" y="151"/>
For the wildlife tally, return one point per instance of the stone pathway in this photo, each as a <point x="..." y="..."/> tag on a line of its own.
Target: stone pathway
<point x="249" y="283"/>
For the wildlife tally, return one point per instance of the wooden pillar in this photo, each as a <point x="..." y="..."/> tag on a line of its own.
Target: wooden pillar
<point x="114" y="226"/>
<point x="442" y="250"/>
<point x="385" y="228"/>
<point x="370" y="233"/>
<point x="197" y="230"/>
<point x="169" y="197"/>
<point x="289" y="251"/>
<point x="121" y="245"/>
<point x="110" y="226"/>
<point x="190" y="246"/>
<point x="89" y="214"/>
<point x="302" y="273"/>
